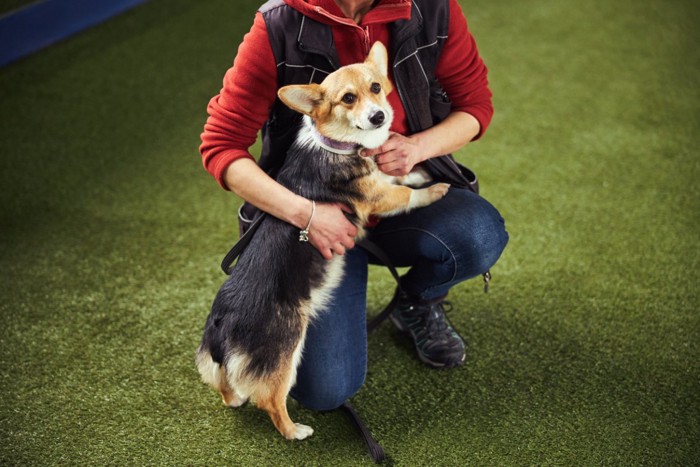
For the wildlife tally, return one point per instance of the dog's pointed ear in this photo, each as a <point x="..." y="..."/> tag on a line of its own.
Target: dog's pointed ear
<point x="303" y="98"/>
<point x="379" y="57"/>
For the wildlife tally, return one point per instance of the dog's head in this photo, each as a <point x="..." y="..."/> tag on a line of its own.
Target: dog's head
<point x="350" y="105"/>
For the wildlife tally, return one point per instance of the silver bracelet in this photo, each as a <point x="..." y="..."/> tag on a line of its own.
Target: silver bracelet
<point x="304" y="234"/>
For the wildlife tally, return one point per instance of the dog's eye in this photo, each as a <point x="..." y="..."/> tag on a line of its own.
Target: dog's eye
<point x="349" y="98"/>
<point x="376" y="88"/>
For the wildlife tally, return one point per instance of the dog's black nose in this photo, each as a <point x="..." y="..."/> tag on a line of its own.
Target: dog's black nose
<point x="377" y="119"/>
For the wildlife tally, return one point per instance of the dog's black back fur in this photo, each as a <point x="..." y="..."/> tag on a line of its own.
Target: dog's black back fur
<point x="256" y="311"/>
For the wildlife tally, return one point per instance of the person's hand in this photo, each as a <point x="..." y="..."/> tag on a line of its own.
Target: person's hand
<point x="331" y="232"/>
<point x="397" y="156"/>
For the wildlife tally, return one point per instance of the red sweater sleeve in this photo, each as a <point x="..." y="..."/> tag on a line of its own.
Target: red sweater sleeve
<point x="242" y="106"/>
<point x="462" y="73"/>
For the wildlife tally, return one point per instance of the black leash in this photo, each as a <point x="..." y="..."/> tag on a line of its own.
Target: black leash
<point x="240" y="245"/>
<point x="367" y="245"/>
<point x="373" y="249"/>
<point x="374" y="449"/>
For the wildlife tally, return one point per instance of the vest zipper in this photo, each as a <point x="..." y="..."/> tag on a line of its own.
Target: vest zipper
<point x="365" y="31"/>
<point x="348" y="22"/>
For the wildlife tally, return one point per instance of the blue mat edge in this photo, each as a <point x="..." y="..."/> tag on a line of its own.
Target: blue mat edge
<point x="31" y="28"/>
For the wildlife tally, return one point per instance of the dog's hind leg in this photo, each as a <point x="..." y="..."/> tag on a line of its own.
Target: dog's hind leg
<point x="275" y="404"/>
<point x="276" y="407"/>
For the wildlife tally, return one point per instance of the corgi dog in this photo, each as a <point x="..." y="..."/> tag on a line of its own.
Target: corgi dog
<point x="254" y="336"/>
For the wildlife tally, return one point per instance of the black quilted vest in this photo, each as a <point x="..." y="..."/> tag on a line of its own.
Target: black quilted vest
<point x="305" y="53"/>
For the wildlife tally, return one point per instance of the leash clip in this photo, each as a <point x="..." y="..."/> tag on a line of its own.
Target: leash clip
<point x="487" y="281"/>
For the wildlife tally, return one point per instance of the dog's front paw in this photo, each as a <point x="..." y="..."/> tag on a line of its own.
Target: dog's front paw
<point x="300" y="432"/>
<point x="437" y="191"/>
<point x="425" y="196"/>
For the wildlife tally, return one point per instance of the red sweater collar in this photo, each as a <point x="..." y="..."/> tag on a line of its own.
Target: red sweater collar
<point x="328" y="12"/>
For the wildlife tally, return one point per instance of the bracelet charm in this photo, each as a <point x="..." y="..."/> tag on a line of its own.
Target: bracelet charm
<point x="304" y="234"/>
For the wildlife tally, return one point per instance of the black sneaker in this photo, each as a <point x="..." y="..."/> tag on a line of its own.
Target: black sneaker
<point x="437" y="343"/>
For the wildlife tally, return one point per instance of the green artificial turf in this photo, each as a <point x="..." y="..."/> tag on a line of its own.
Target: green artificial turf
<point x="585" y="352"/>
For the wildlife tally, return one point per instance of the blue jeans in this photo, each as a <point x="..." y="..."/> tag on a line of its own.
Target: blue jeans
<point x="454" y="239"/>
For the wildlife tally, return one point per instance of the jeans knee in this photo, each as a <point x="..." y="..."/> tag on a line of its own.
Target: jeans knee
<point x="488" y="242"/>
<point x="478" y="240"/>
<point x="493" y="250"/>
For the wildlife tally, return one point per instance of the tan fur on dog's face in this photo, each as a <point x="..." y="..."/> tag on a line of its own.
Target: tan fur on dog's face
<point x="349" y="103"/>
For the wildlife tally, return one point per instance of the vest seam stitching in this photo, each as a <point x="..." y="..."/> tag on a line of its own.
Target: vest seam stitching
<point x="301" y="28"/>
<point x="415" y="53"/>
<point x="417" y="9"/>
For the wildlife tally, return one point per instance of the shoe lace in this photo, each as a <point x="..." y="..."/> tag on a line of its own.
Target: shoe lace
<point x="431" y="320"/>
